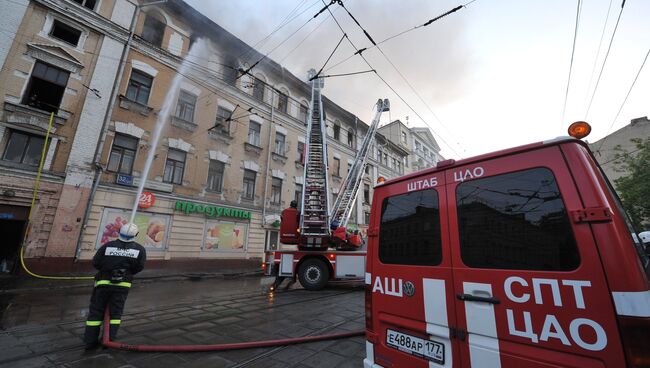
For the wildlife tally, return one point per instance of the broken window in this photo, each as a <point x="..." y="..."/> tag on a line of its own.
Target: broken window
<point x="153" y="30"/>
<point x="24" y="148"/>
<point x="139" y="87"/>
<point x="65" y="33"/>
<point x="258" y="89"/>
<point x="337" y="131"/>
<point x="350" y="138"/>
<point x="46" y="87"/>
<point x="90" y="4"/>
<point x="185" y="106"/>
<point x="123" y="154"/>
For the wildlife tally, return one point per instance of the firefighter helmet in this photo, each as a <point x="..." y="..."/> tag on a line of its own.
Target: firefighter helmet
<point x="128" y="232"/>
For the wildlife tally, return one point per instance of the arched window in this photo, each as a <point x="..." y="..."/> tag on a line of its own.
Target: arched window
<point x="259" y="87"/>
<point x="283" y="100"/>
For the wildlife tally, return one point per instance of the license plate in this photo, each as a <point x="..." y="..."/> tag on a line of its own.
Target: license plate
<point x="427" y="349"/>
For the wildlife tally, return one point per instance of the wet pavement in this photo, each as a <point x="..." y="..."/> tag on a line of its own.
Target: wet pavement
<point x="42" y="327"/>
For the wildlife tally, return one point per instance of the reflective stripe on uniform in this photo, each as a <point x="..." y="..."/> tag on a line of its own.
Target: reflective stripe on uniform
<point x="93" y="323"/>
<point x="115" y="321"/>
<point x="107" y="282"/>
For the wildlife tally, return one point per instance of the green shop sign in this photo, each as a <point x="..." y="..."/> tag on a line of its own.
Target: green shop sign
<point x="211" y="211"/>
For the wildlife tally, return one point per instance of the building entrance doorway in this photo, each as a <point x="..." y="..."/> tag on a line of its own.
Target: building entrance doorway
<point x="12" y="227"/>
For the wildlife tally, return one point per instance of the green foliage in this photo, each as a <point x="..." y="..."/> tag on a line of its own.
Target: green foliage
<point x="634" y="188"/>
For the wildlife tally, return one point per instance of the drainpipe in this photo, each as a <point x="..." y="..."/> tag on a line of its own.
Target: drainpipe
<point x="107" y="116"/>
<point x="268" y="157"/>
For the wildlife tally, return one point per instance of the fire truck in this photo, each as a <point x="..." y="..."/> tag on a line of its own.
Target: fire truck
<point x="322" y="248"/>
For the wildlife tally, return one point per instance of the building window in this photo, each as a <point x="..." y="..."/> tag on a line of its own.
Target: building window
<point x="379" y="155"/>
<point x="393" y="163"/>
<point x="230" y="73"/>
<point x="123" y="154"/>
<point x="174" y="166"/>
<point x="24" y="148"/>
<point x="90" y="4"/>
<point x="366" y="193"/>
<point x="417" y="146"/>
<point x="337" y="131"/>
<point x="222" y="121"/>
<point x="46" y="87"/>
<point x="65" y="33"/>
<point x="302" y="113"/>
<point x="350" y="138"/>
<point x="368" y="169"/>
<point x="298" y="194"/>
<point x="153" y="30"/>
<point x="185" y="106"/>
<point x="279" y="143"/>
<point x="276" y="191"/>
<point x="283" y="102"/>
<point x="249" y="184"/>
<point x="139" y="87"/>
<point x="366" y="218"/>
<point x="404" y="137"/>
<point x="385" y="158"/>
<point x="254" y="133"/>
<point x="515" y="221"/>
<point x="258" y="89"/>
<point x="301" y="153"/>
<point x="336" y="166"/>
<point x="215" y="175"/>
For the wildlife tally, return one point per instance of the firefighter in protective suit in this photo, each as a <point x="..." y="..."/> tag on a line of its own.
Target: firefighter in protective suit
<point x="117" y="262"/>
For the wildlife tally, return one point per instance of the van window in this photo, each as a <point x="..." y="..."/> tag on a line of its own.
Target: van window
<point x="515" y="221"/>
<point x="410" y="229"/>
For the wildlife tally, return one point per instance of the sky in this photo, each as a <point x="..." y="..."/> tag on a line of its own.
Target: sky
<point x="489" y="76"/>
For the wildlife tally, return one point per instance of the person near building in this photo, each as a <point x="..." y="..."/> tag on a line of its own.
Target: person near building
<point x="117" y="261"/>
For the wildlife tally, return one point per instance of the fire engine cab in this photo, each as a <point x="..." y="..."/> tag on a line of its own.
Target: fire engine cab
<point x="518" y="258"/>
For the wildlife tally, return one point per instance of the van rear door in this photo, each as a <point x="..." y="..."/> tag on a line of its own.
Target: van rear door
<point x="410" y="280"/>
<point x="529" y="284"/>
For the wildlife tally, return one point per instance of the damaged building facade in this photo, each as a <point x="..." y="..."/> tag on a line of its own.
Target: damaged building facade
<point x="229" y="159"/>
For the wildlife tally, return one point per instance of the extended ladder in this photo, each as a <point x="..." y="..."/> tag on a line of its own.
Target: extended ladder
<point x="350" y="187"/>
<point x="314" y="222"/>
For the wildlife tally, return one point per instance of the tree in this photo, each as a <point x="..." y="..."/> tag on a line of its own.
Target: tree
<point x="634" y="188"/>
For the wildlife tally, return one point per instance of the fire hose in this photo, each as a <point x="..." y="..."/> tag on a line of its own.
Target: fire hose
<point x="220" y="347"/>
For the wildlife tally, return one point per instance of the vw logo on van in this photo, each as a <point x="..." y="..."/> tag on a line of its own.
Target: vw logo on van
<point x="409" y="288"/>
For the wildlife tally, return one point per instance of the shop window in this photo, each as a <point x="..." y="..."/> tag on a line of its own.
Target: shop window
<point x="24" y="148"/>
<point x="65" y="33"/>
<point x="410" y="229"/>
<point x="366" y="193"/>
<point x="90" y="4"/>
<point x="153" y="30"/>
<point x="279" y="143"/>
<point x="283" y="102"/>
<point x="222" y="122"/>
<point x="215" y="175"/>
<point x="337" y="131"/>
<point x="515" y="221"/>
<point x="350" y="138"/>
<point x="46" y="87"/>
<point x="276" y="191"/>
<point x="185" y="106"/>
<point x="302" y="113"/>
<point x="301" y="153"/>
<point x="139" y="87"/>
<point x="336" y="167"/>
<point x="249" y="184"/>
<point x="174" y="167"/>
<point x="258" y="89"/>
<point x="123" y="154"/>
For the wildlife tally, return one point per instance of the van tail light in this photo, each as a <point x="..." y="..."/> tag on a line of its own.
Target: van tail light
<point x="368" y="307"/>
<point x="636" y="339"/>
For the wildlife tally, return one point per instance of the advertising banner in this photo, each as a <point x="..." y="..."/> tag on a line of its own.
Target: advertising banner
<point x="225" y="236"/>
<point x="153" y="228"/>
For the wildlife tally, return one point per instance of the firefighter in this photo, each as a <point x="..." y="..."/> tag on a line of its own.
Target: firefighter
<point x="117" y="262"/>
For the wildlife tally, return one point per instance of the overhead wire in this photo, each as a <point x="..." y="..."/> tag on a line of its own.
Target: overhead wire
<point x="611" y="41"/>
<point x="624" y="101"/>
<point x="406" y="80"/>
<point x="600" y="44"/>
<point x="573" y="50"/>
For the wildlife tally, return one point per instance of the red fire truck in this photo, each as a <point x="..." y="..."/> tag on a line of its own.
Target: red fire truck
<point x="518" y="258"/>
<point x="321" y="247"/>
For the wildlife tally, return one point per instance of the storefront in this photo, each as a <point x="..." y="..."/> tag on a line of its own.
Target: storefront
<point x="173" y="228"/>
